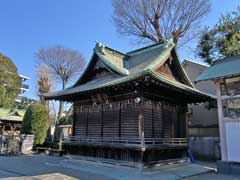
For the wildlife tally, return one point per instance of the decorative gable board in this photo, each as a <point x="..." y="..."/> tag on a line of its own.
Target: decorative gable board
<point x="166" y="70"/>
<point x="95" y="70"/>
<point x="98" y="70"/>
<point x="172" y="70"/>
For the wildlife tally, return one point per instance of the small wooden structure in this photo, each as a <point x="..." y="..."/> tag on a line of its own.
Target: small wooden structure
<point x="10" y="121"/>
<point x="226" y="75"/>
<point x="131" y="106"/>
<point x="65" y="130"/>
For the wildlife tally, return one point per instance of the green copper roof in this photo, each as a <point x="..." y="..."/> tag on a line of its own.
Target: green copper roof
<point x="127" y="67"/>
<point x="226" y="67"/>
<point x="107" y="81"/>
<point x="6" y="115"/>
<point x="106" y="60"/>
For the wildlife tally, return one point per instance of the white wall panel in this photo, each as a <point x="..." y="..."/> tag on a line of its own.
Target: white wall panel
<point x="233" y="140"/>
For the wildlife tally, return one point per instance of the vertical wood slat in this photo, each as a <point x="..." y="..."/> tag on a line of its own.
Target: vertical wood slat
<point x="94" y="121"/>
<point x="111" y="120"/>
<point x="121" y="120"/>
<point x="102" y="123"/>
<point x="129" y="119"/>
<point x="148" y="119"/>
<point x="158" y="120"/>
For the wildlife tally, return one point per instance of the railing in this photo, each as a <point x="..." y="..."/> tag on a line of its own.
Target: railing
<point x="25" y="86"/>
<point x="126" y="141"/>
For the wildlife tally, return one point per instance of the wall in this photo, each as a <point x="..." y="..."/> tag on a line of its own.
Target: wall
<point x="203" y="122"/>
<point x="205" y="148"/>
<point x="201" y="116"/>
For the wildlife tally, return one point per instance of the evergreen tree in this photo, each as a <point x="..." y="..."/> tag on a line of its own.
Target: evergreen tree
<point x="222" y="40"/>
<point x="10" y="82"/>
<point x="35" y="122"/>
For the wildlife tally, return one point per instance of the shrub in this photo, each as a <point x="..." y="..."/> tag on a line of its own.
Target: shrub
<point x="35" y="122"/>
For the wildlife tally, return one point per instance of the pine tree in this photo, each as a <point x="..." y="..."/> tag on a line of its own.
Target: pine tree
<point x="10" y="82"/>
<point x="222" y="40"/>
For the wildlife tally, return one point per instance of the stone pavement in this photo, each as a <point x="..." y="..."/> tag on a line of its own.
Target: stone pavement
<point x="55" y="176"/>
<point x="214" y="176"/>
<point x="47" y="167"/>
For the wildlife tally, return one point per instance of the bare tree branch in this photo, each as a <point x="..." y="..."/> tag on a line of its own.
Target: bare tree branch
<point x="64" y="64"/>
<point x="156" y="20"/>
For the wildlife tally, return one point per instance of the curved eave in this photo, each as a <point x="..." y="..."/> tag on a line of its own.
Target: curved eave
<point x="183" y="87"/>
<point x="72" y="91"/>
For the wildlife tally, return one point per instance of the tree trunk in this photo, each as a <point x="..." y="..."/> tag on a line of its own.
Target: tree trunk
<point x="61" y="103"/>
<point x="176" y="35"/>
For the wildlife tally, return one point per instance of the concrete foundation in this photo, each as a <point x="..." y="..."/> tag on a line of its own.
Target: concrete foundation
<point x="205" y="148"/>
<point x="226" y="167"/>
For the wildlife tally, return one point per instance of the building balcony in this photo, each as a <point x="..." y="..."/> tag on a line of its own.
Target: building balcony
<point x="23" y="78"/>
<point x="135" y="143"/>
<point x="25" y="86"/>
<point x="21" y="98"/>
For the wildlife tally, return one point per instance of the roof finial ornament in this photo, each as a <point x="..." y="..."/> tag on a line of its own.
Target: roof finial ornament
<point x="100" y="48"/>
<point x="169" y="42"/>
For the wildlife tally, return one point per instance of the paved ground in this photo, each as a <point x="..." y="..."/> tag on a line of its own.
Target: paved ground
<point x="55" y="168"/>
<point x="213" y="176"/>
<point x="13" y="167"/>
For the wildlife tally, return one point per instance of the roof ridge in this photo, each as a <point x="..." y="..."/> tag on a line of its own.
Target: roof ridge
<point x="195" y="62"/>
<point x="111" y="65"/>
<point x="146" y="47"/>
<point x="224" y="59"/>
<point x="101" y="45"/>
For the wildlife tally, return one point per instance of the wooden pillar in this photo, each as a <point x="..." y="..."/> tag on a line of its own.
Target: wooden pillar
<point x="141" y="124"/>
<point x="87" y="121"/>
<point x="74" y="120"/>
<point x="153" y="133"/>
<point x="163" y="119"/>
<point x="222" y="130"/>
<point x="102" y="120"/>
<point x="119" y="120"/>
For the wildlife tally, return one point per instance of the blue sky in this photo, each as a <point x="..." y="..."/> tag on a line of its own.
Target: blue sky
<point x="27" y="25"/>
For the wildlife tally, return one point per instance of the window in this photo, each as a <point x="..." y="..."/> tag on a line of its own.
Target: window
<point x="231" y="87"/>
<point x="230" y="90"/>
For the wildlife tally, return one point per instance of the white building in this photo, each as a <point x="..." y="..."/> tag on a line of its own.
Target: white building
<point x="24" y="88"/>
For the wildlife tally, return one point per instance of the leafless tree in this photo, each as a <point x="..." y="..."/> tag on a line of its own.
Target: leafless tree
<point x="156" y="20"/>
<point x="64" y="64"/>
<point x="45" y="83"/>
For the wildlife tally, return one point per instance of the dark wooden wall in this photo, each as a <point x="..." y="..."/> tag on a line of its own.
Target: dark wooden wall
<point x="160" y="120"/>
<point x="121" y="119"/>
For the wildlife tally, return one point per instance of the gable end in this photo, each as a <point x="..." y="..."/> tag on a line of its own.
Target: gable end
<point x="171" y="69"/>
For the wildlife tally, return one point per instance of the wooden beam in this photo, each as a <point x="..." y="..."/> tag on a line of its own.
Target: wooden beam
<point x="222" y="130"/>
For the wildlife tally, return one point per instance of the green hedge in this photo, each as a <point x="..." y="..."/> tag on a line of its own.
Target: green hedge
<point x="35" y="122"/>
